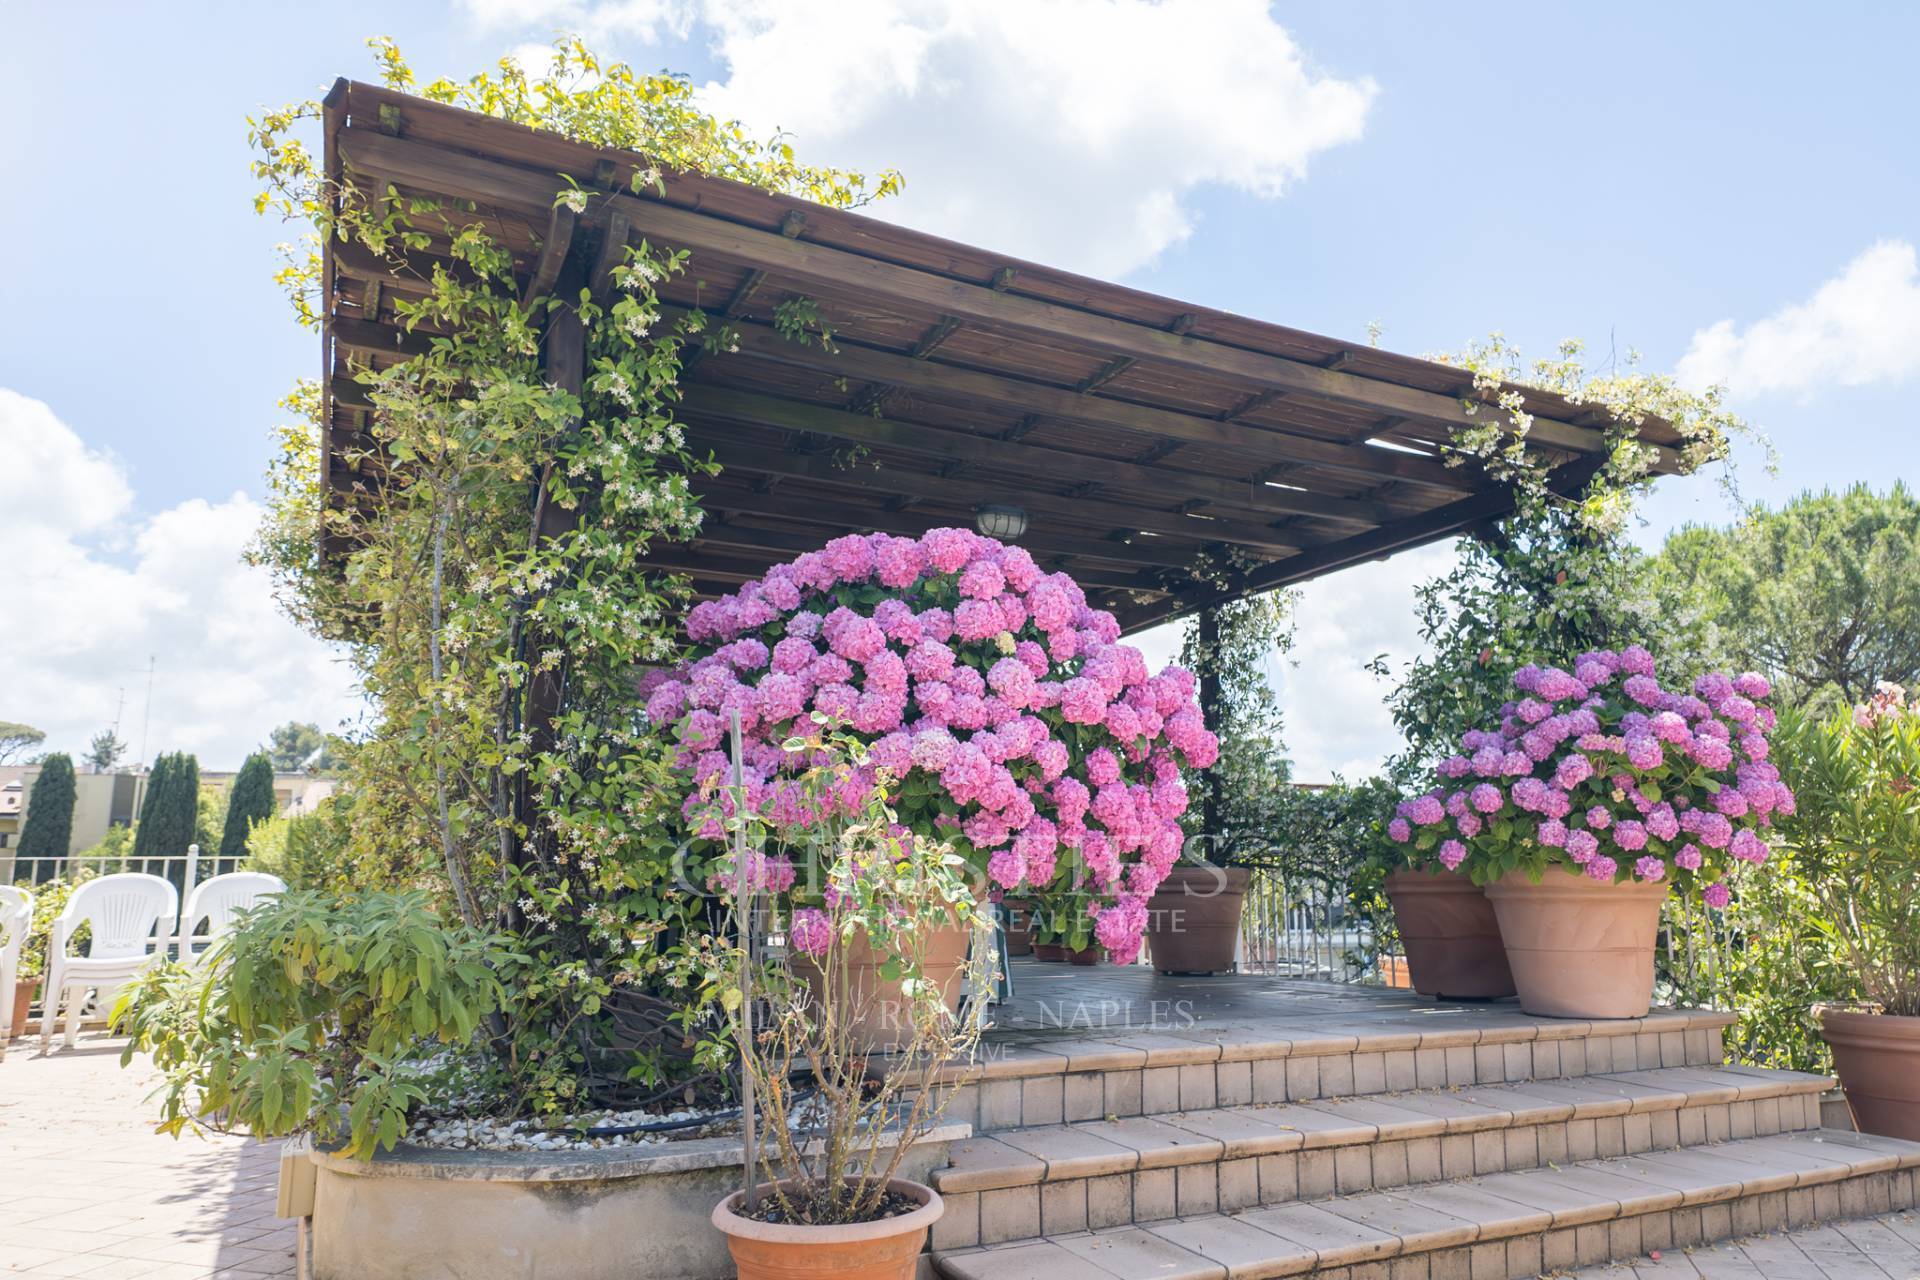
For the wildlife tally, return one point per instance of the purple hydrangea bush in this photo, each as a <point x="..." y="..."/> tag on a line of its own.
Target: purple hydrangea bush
<point x="1604" y="772"/>
<point x="990" y="697"/>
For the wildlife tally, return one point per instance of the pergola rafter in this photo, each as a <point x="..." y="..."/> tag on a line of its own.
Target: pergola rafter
<point x="1169" y="456"/>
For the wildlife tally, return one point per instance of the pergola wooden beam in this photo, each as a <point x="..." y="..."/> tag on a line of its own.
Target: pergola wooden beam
<point x="1455" y="518"/>
<point x="1111" y="516"/>
<point x="872" y="365"/>
<point x="727" y="531"/>
<point x="441" y="169"/>
<point x="748" y="407"/>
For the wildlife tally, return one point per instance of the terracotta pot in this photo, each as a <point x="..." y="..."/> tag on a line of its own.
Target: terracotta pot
<point x="885" y="1250"/>
<point x="1018" y="926"/>
<point x="1877" y="1057"/>
<point x="879" y="1023"/>
<point x="1085" y="955"/>
<point x="1193" y="919"/>
<point x="23" y="993"/>
<point x="1051" y="952"/>
<point x="1451" y="937"/>
<point x="1579" y="948"/>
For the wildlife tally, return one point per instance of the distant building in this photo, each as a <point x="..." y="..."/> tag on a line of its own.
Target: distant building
<point x="106" y="800"/>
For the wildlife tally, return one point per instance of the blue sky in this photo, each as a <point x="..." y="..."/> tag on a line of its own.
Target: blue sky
<point x="1632" y="174"/>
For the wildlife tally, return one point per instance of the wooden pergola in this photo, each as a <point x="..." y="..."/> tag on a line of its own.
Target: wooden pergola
<point x="1169" y="456"/>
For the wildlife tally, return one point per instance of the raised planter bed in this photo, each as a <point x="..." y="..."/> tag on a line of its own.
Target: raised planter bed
<point x="417" y="1213"/>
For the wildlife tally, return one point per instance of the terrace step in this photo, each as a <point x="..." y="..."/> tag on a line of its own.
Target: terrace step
<point x="1111" y="1172"/>
<point x="1501" y="1225"/>
<point x="1045" y="1081"/>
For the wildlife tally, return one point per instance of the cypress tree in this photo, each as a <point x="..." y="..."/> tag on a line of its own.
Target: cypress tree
<point x="250" y="801"/>
<point x="49" y="828"/>
<point x="171" y="808"/>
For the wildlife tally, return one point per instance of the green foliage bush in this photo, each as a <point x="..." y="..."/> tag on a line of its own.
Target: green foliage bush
<point x="49" y="827"/>
<point x="49" y="900"/>
<point x="170" y="812"/>
<point x="313" y="1015"/>
<point x="249" y="803"/>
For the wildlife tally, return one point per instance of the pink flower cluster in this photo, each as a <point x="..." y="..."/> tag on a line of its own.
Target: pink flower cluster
<point x="1605" y="771"/>
<point x="994" y="698"/>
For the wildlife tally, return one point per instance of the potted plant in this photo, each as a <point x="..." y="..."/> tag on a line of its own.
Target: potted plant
<point x="1012" y="726"/>
<point x="1449" y="934"/>
<point x="1598" y="791"/>
<point x="49" y="900"/>
<point x="823" y="1195"/>
<point x="1855" y="836"/>
<point x="1193" y="918"/>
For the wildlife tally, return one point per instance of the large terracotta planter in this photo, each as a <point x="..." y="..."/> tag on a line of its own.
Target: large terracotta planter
<point x="1451" y="936"/>
<point x="1193" y="919"/>
<point x="1877" y="1057"/>
<point x="1579" y="948"/>
<point x="880" y="1021"/>
<point x="23" y="989"/>
<point x="1019" y="926"/>
<point x="885" y="1250"/>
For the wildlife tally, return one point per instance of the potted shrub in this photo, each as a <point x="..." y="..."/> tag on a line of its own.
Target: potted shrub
<point x="1598" y="791"/>
<point x="1012" y="726"/>
<point x="1017" y="921"/>
<point x="1448" y="932"/>
<point x="49" y="900"/>
<point x="1193" y="918"/>
<point x="1855" y="835"/>
<point x="823" y="1193"/>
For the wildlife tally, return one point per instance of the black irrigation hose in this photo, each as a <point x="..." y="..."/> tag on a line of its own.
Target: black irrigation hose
<point x="670" y="1126"/>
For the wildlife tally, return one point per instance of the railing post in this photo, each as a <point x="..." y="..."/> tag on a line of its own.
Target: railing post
<point x="188" y="878"/>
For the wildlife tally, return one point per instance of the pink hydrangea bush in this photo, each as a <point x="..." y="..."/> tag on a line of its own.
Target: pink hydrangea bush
<point x="1606" y="773"/>
<point x="1009" y="721"/>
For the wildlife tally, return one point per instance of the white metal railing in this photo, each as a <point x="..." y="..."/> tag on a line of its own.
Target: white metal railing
<point x="182" y="870"/>
<point x="1302" y="928"/>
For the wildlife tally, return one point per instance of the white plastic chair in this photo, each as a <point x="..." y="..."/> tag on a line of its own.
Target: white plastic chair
<point x="218" y="900"/>
<point x="16" y="921"/>
<point x="124" y="912"/>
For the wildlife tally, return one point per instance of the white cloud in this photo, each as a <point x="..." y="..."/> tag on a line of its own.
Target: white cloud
<point x="1336" y="719"/>
<point x="92" y="591"/>
<point x="1861" y="326"/>
<point x="1072" y="132"/>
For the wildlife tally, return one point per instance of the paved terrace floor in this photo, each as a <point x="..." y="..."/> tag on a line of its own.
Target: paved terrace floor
<point x="87" y="1188"/>
<point x="1051" y="1000"/>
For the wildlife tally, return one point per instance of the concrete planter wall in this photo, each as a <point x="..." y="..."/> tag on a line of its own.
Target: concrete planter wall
<point x="420" y="1214"/>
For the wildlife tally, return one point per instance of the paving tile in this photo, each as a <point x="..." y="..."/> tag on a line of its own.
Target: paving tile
<point x="1244" y="1250"/>
<point x="1336" y="1240"/>
<point x="1136" y="1251"/>
<point x="1158" y="1143"/>
<point x="1070" y="1151"/>
<point x="1041" y="1259"/>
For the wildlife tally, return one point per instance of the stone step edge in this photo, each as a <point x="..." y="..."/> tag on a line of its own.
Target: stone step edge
<point x="1004" y="1158"/>
<point x="1001" y="1060"/>
<point x="1380" y="1225"/>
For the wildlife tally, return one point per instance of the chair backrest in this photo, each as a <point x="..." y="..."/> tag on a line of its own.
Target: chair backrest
<point x="217" y="900"/>
<point x="16" y="918"/>
<point x="121" y="911"/>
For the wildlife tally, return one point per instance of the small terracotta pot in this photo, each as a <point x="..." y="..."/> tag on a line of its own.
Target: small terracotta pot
<point x="885" y="1250"/>
<point x="1877" y="1057"/>
<point x="1193" y="919"/>
<point x="1051" y="952"/>
<point x="879" y="1023"/>
<point x="1579" y="948"/>
<point x="1451" y="937"/>
<point x="23" y="993"/>
<point x="1085" y="956"/>
<point x="1018" y="926"/>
